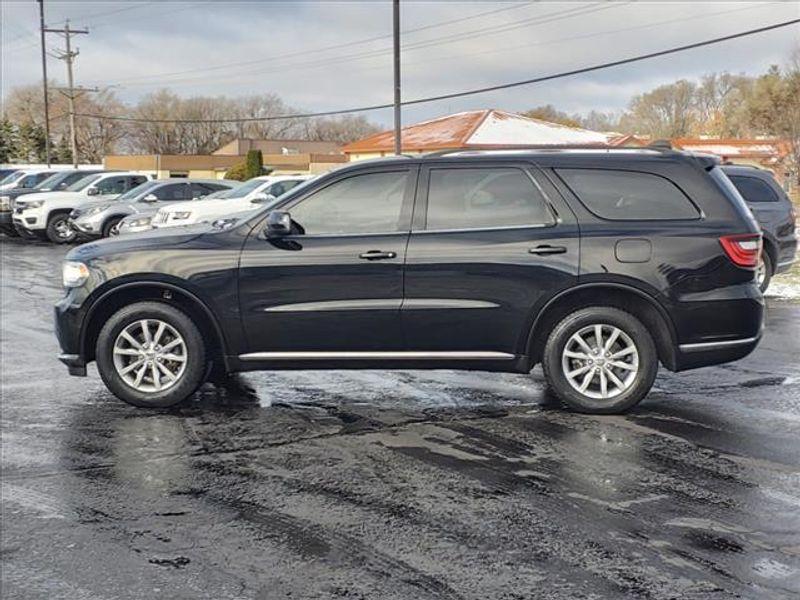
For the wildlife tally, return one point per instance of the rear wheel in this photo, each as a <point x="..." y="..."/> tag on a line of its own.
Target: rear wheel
<point x="111" y="227"/>
<point x="764" y="272"/>
<point x="59" y="230"/>
<point x="151" y="355"/>
<point x="600" y="360"/>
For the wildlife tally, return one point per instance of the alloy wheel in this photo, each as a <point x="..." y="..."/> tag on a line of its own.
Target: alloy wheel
<point x="63" y="230"/>
<point x="150" y="355"/>
<point x="600" y="361"/>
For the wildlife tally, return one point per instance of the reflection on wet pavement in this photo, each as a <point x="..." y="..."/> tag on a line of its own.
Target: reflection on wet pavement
<point x="393" y="484"/>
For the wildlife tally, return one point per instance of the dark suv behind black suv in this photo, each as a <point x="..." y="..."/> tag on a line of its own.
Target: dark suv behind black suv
<point x="596" y="264"/>
<point x="774" y="211"/>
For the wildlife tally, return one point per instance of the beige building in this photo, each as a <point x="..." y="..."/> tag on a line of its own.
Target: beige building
<point x="242" y="146"/>
<point x="214" y="166"/>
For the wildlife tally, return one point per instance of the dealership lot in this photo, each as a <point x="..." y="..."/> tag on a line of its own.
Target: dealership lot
<point x="393" y="484"/>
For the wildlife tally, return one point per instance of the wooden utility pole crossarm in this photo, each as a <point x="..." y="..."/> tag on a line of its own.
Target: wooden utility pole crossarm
<point x="68" y="55"/>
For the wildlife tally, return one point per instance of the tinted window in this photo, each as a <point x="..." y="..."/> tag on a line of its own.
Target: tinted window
<point x="172" y="192"/>
<point x="281" y="187"/>
<point x="481" y="198"/>
<point x="112" y="185"/>
<point x="626" y="195"/>
<point x="136" y="180"/>
<point x="754" y="190"/>
<point x="83" y="182"/>
<point x="369" y="203"/>
<point x="28" y="181"/>
<point x="70" y="179"/>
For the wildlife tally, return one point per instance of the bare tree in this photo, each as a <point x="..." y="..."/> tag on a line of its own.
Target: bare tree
<point x="667" y="111"/>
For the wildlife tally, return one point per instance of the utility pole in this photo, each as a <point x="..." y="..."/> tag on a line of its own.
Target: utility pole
<point x="70" y="92"/>
<point x="398" y="142"/>
<point x="44" y="83"/>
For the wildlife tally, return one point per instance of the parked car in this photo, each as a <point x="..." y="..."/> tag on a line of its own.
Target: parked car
<point x="596" y="264"/>
<point x="97" y="219"/>
<point x="24" y="179"/>
<point x="775" y="213"/>
<point x="141" y="221"/>
<point x="6" y="173"/>
<point x="246" y="197"/>
<point x="60" y="180"/>
<point x="47" y="215"/>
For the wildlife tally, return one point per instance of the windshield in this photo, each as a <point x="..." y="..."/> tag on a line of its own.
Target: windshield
<point x="52" y="181"/>
<point x="83" y="183"/>
<point x="12" y="177"/>
<point x="134" y="193"/>
<point x="246" y="188"/>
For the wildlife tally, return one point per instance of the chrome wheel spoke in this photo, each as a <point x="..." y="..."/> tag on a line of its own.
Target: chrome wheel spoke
<point x="615" y="380"/>
<point x="131" y="366"/>
<point x="175" y="357"/>
<point x="582" y="343"/>
<point x="603" y="384"/>
<point x="146" y="332"/>
<point x="139" y="376"/>
<point x="611" y="339"/>
<point x="623" y="365"/>
<point x="587" y="380"/>
<point x="127" y="351"/>
<point x="578" y="355"/>
<point x="579" y="371"/>
<point x="171" y="345"/>
<point x="155" y="375"/>
<point x="621" y="353"/>
<point x="598" y="336"/>
<point x="170" y="375"/>
<point x="159" y="332"/>
<point x="131" y="340"/>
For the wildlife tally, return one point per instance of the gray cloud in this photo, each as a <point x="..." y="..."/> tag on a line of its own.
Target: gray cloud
<point x="131" y="44"/>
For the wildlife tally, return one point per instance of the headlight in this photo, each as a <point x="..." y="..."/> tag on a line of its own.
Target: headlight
<point x="5" y="202"/>
<point x="142" y="222"/>
<point x="31" y="204"/>
<point x="97" y="209"/>
<point x="182" y="215"/>
<point x="74" y="274"/>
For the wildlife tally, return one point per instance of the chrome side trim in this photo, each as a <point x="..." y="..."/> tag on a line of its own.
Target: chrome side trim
<point x="438" y="303"/>
<point x="381" y="304"/>
<point x="335" y="305"/>
<point x="785" y="263"/>
<point x="703" y="346"/>
<point x="393" y="355"/>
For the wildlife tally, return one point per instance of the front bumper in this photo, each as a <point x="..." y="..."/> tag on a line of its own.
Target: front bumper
<point x="86" y="227"/>
<point x="68" y="320"/>
<point x="30" y="219"/>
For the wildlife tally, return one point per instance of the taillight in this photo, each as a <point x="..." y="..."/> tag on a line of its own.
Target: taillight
<point x="743" y="250"/>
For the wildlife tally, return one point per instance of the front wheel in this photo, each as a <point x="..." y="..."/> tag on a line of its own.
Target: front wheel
<point x="59" y="230"/>
<point x="151" y="355"/>
<point x="111" y="227"/>
<point x="600" y="360"/>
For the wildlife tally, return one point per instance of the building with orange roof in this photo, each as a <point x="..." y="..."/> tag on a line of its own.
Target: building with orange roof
<point x="479" y="130"/>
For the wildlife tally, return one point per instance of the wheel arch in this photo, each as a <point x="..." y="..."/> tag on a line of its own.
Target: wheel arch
<point x="628" y="298"/>
<point x="172" y="294"/>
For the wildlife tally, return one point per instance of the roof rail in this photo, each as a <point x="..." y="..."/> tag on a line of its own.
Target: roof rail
<point x="661" y="145"/>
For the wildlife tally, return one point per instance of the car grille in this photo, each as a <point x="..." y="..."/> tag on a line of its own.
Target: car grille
<point x="159" y="217"/>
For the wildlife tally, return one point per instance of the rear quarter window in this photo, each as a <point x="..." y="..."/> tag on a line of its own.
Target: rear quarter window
<point x="628" y="195"/>
<point x="754" y="190"/>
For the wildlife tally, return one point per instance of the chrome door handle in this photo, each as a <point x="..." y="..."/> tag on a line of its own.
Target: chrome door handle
<point x="377" y="255"/>
<point x="547" y="250"/>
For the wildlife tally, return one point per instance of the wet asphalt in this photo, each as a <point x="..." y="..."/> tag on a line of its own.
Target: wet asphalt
<point x="392" y="485"/>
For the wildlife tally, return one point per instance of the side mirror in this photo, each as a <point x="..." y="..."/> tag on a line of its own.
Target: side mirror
<point x="279" y="223"/>
<point x="262" y="197"/>
<point x="62" y="186"/>
<point x="150" y="198"/>
<point x="93" y="191"/>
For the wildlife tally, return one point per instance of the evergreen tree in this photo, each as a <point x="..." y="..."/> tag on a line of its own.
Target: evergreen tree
<point x="8" y="141"/>
<point x="255" y="163"/>
<point x="63" y="151"/>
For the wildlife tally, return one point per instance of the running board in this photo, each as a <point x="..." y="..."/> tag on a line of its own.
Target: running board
<point x="394" y="355"/>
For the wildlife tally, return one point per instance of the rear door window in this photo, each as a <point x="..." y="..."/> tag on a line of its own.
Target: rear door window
<point x="628" y="195"/>
<point x="753" y="189"/>
<point x="484" y="198"/>
<point x="173" y="192"/>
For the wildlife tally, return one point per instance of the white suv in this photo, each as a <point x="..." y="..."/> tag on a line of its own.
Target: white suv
<point x="249" y="196"/>
<point x="47" y="214"/>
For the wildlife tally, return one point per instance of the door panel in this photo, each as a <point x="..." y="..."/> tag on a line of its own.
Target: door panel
<point x="322" y="288"/>
<point x="475" y="289"/>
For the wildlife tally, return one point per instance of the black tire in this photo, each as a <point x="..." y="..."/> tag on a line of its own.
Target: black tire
<point x="192" y="375"/>
<point x="606" y="316"/>
<point x="109" y="225"/>
<point x="56" y="226"/>
<point x="768" y="272"/>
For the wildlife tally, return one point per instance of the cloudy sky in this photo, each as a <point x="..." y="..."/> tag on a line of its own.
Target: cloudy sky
<point x="327" y="55"/>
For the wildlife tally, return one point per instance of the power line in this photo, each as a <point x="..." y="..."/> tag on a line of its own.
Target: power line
<point x="461" y="94"/>
<point x="326" y="48"/>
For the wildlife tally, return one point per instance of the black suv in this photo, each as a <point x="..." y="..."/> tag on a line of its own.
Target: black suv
<point x="596" y="264"/>
<point x="774" y="211"/>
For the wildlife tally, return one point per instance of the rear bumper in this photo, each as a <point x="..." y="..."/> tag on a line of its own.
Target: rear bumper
<point x="720" y="326"/>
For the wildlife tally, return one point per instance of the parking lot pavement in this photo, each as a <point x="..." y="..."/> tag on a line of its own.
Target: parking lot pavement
<point x="393" y="484"/>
